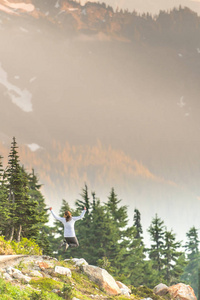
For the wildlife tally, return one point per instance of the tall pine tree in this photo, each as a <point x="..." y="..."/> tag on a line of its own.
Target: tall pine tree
<point x="190" y="275"/>
<point x="173" y="259"/>
<point x="157" y="231"/>
<point x="4" y="203"/>
<point x="40" y="228"/>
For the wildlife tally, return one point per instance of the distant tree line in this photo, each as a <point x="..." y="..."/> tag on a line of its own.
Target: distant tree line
<point x="105" y="236"/>
<point x="176" y="27"/>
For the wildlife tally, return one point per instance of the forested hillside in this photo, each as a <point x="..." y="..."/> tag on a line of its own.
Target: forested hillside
<point x="105" y="236"/>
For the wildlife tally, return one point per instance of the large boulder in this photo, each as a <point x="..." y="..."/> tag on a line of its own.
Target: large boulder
<point x="161" y="289"/>
<point x="78" y="261"/>
<point x="102" y="278"/>
<point x="123" y="288"/>
<point x="182" y="291"/>
<point x="63" y="271"/>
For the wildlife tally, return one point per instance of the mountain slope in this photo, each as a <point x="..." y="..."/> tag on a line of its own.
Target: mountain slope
<point x="76" y="75"/>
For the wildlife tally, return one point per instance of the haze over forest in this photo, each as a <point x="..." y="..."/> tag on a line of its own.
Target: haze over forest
<point x="107" y="98"/>
<point x="151" y="6"/>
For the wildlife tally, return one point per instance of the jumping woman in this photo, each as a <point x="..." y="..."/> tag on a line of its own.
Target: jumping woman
<point x="68" y="221"/>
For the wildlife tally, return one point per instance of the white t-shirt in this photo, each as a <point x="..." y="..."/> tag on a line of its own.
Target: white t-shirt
<point x="69" y="226"/>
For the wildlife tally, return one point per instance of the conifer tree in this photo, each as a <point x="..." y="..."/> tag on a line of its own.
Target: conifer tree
<point x="23" y="218"/>
<point x="173" y="259"/>
<point x="157" y="231"/>
<point x="26" y="209"/>
<point x="137" y="224"/>
<point x="85" y="201"/>
<point x="134" y="256"/>
<point x="118" y="214"/>
<point x="13" y="184"/>
<point x="4" y="204"/>
<point x="40" y="230"/>
<point x="190" y="275"/>
<point x="100" y="241"/>
<point x="118" y="218"/>
<point x="84" y="227"/>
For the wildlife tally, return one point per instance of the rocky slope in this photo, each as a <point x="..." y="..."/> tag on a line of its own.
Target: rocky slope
<point x="75" y="279"/>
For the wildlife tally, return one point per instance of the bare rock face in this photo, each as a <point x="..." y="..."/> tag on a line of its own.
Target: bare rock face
<point x="182" y="291"/>
<point x="102" y="278"/>
<point x="161" y="289"/>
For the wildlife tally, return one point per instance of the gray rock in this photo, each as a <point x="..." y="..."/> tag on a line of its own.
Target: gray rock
<point x="35" y="273"/>
<point x="161" y="289"/>
<point x="20" y="276"/>
<point x="63" y="271"/>
<point x="6" y="276"/>
<point x="102" y="278"/>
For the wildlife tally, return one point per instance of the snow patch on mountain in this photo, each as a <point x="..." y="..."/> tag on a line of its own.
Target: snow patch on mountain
<point x="23" y="6"/>
<point x="7" y="10"/>
<point x="33" y="147"/>
<point x="22" y="98"/>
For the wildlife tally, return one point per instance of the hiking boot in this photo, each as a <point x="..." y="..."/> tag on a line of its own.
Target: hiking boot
<point x="66" y="246"/>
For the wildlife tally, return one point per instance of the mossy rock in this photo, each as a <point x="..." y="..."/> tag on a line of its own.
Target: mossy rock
<point x="145" y="292"/>
<point x="46" y="284"/>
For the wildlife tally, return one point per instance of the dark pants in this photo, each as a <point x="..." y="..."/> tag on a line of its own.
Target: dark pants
<point x="72" y="241"/>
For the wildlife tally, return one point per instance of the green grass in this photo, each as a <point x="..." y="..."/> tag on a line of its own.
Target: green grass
<point x="8" y="291"/>
<point x="46" y="284"/>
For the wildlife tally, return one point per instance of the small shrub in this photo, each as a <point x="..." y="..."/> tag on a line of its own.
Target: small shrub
<point x="104" y="263"/>
<point x="66" y="292"/>
<point x="26" y="246"/>
<point x="5" y="247"/>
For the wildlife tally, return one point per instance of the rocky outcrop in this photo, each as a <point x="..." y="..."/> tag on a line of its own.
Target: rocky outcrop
<point x="102" y="278"/>
<point x="33" y="267"/>
<point x="161" y="289"/>
<point x="22" y="269"/>
<point x="182" y="291"/>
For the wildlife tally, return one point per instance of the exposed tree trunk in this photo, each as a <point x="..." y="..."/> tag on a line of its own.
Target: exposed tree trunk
<point x="19" y="233"/>
<point x="12" y="233"/>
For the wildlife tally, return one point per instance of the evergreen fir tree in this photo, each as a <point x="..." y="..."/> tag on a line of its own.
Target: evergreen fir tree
<point x="83" y="227"/>
<point x="85" y="201"/>
<point x="118" y="214"/>
<point x="190" y="275"/>
<point x="23" y="210"/>
<point x="173" y="265"/>
<point x="4" y="203"/>
<point x="137" y="224"/>
<point x="14" y="184"/>
<point x="118" y="219"/>
<point x="157" y="231"/>
<point x="134" y="258"/>
<point x="41" y="211"/>
<point x="26" y="209"/>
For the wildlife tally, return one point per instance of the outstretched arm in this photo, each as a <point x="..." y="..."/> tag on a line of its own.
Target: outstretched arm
<point x="55" y="216"/>
<point x="81" y="215"/>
